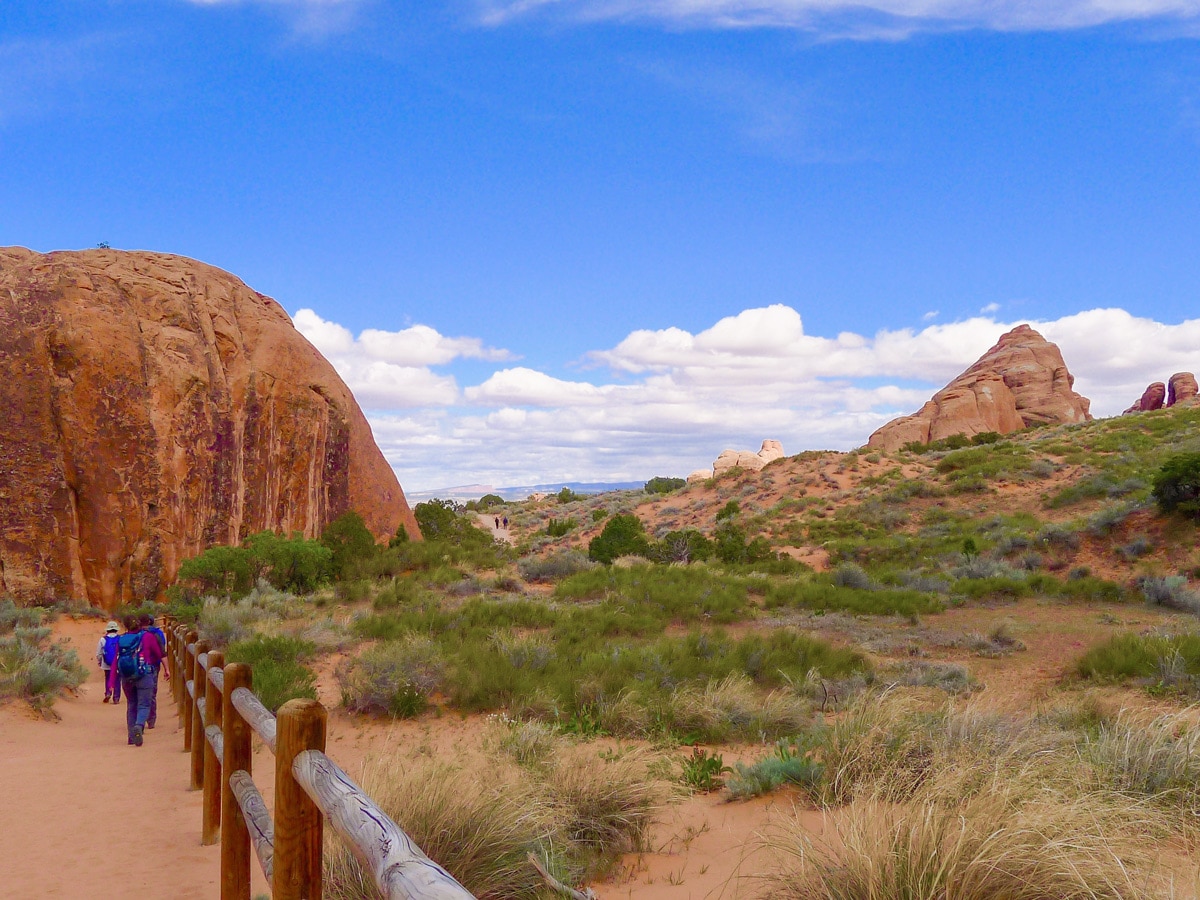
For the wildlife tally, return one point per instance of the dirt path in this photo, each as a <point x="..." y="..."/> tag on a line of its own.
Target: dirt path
<point x="83" y="811"/>
<point x="487" y="522"/>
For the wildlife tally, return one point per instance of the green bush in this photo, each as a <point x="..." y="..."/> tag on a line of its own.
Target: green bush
<point x="819" y="593"/>
<point x="1126" y="657"/>
<point x="1177" y="485"/>
<point x="685" y="547"/>
<point x="393" y="678"/>
<point x="789" y="764"/>
<point x="349" y="542"/>
<point x="566" y="495"/>
<point x="623" y="535"/>
<point x="559" y="527"/>
<point x="662" y="485"/>
<point x="31" y="665"/>
<point x="278" y="673"/>
<point x="225" y="571"/>
<point x="554" y="567"/>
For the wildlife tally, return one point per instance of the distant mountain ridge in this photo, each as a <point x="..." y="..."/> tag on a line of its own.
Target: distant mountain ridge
<point x="465" y="492"/>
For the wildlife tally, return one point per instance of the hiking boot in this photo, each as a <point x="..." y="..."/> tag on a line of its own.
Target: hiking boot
<point x="150" y="724"/>
<point x="137" y="735"/>
<point x="105" y="700"/>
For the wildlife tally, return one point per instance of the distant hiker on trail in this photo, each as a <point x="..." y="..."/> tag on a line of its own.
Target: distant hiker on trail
<point x="139" y="656"/>
<point x="506" y="523"/>
<point x="106" y="655"/>
<point x="147" y="623"/>
<point x="497" y="523"/>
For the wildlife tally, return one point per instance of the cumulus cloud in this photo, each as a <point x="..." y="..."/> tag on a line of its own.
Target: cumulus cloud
<point x="853" y="18"/>
<point x="391" y="369"/>
<point x="668" y="401"/>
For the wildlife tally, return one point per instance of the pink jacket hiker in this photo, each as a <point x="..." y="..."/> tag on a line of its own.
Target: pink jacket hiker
<point x="152" y="652"/>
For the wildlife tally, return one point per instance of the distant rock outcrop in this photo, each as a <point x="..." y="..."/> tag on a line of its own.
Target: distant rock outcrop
<point x="747" y="459"/>
<point x="1152" y="398"/>
<point x="1180" y="388"/>
<point x="1020" y="382"/>
<point x="153" y="407"/>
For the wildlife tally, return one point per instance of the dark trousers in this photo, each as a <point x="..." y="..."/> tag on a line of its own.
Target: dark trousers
<point x="153" y="700"/>
<point x="139" y="692"/>
<point x="116" y="691"/>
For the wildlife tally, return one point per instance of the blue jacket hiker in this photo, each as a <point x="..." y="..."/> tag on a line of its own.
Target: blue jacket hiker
<point x="147" y="623"/>
<point x="106" y="655"/>
<point x="139" y="656"/>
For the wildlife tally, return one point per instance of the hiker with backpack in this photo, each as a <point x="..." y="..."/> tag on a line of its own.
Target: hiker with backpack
<point x="139" y="656"/>
<point x="147" y="623"/>
<point x="106" y="655"/>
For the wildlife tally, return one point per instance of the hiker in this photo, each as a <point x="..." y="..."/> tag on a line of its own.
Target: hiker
<point x="506" y="523"/>
<point x="147" y="622"/>
<point x="139" y="655"/>
<point x="497" y="523"/>
<point x="106" y="654"/>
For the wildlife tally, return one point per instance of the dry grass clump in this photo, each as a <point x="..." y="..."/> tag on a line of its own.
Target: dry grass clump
<point x="734" y="708"/>
<point x="998" y="843"/>
<point x="479" y="830"/>
<point x="575" y="810"/>
<point x="1157" y="760"/>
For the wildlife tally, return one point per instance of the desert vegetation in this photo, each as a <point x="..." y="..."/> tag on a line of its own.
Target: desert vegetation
<point x="976" y="659"/>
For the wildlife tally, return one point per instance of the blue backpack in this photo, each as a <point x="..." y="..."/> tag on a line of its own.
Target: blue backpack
<point x="110" y="648"/>
<point x="130" y="663"/>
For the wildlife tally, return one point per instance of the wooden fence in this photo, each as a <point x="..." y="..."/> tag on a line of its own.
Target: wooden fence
<point x="219" y="713"/>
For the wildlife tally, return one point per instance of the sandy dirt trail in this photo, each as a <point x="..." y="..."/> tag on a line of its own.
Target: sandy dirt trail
<point x="84" y="814"/>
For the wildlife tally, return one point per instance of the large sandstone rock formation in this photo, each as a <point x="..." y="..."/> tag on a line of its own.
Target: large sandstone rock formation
<point x="1020" y="382"/>
<point x="155" y="406"/>
<point x="748" y="459"/>
<point x="1181" y="388"/>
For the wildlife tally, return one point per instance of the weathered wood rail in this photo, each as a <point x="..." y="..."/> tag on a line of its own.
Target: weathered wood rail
<point x="219" y="714"/>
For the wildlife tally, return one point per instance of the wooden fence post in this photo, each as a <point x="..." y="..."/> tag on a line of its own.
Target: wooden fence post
<point x="211" y="829"/>
<point x="235" y="837"/>
<point x="199" y="680"/>
<point x="298" y="821"/>
<point x="189" y="673"/>
<point x="178" y="675"/>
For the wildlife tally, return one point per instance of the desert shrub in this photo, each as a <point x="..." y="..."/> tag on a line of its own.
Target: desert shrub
<point x="662" y="485"/>
<point x="949" y="677"/>
<point x="399" y="592"/>
<point x="681" y="547"/>
<point x="1086" y="489"/>
<point x="225" y="571"/>
<point x="394" y="678"/>
<point x="32" y="666"/>
<point x="278" y="673"/>
<point x="732" y="709"/>
<point x="1177" y="485"/>
<point x="660" y="594"/>
<point x="289" y="564"/>
<point x="1059" y="537"/>
<point x="560" y="527"/>
<point x="1158" y="760"/>
<point x="791" y="763"/>
<point x="13" y="616"/>
<point x="623" y="535"/>
<point x="729" y="510"/>
<point x="849" y="575"/>
<point x="1171" y="591"/>
<point x="555" y="566"/>
<point x="480" y="829"/>
<point x="820" y="593"/>
<point x="1145" y="658"/>
<point x="991" y="844"/>
<point x="606" y="805"/>
<point x="730" y="545"/>
<point x="1135" y="549"/>
<point x="445" y="522"/>
<point x="349" y="542"/>
<point x="993" y="586"/>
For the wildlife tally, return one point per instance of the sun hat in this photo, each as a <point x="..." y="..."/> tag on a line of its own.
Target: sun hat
<point x="112" y="626"/>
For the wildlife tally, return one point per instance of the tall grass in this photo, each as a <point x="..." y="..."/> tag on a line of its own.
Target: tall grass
<point x="997" y="843"/>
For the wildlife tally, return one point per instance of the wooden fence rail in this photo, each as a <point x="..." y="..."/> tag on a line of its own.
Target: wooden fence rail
<point x="218" y="714"/>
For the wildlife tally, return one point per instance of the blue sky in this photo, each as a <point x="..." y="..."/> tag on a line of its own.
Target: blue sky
<point x="606" y="239"/>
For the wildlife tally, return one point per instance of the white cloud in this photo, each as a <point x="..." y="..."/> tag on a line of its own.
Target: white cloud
<point x="990" y="309"/>
<point x="390" y="369"/>
<point x="930" y="316"/>
<point x="674" y="400"/>
<point x="854" y="18"/>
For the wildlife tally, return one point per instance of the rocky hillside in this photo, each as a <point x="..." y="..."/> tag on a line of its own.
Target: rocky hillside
<point x="156" y="406"/>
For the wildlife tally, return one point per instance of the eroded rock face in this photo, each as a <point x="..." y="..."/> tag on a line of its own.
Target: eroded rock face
<point x="748" y="459"/>
<point x="153" y="407"/>
<point x="1181" y="388"/>
<point x="1020" y="382"/>
<point x="1151" y="399"/>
